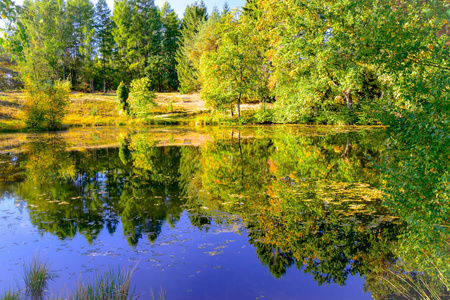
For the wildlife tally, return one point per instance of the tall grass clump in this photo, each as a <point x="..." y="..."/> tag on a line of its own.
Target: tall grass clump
<point x="8" y="295"/>
<point x="36" y="276"/>
<point x="112" y="285"/>
<point x="162" y="295"/>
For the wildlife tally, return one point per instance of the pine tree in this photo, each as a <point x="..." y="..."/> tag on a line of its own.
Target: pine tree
<point x="145" y="36"/>
<point x="171" y="35"/>
<point x="104" y="37"/>
<point x="194" y="16"/>
<point x="80" y="25"/>
<point x="122" y="18"/>
<point x="41" y="21"/>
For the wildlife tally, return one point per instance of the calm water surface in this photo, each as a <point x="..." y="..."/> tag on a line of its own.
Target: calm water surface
<point x="262" y="213"/>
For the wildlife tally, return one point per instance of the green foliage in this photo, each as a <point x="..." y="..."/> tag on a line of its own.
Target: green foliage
<point x="158" y="70"/>
<point x="104" y="38"/>
<point x="263" y="116"/>
<point x="186" y="57"/>
<point x="142" y="98"/>
<point x="229" y="72"/>
<point x="122" y="96"/>
<point x="94" y="111"/>
<point x="171" y="34"/>
<point x="46" y="108"/>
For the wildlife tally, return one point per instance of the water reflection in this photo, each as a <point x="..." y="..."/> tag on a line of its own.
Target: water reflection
<point x="307" y="201"/>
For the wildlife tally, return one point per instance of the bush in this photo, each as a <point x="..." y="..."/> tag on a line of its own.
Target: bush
<point x="142" y="99"/>
<point x="264" y="116"/>
<point x="122" y="96"/>
<point x="46" y="108"/>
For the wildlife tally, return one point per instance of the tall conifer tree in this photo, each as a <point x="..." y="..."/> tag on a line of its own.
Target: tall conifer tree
<point x="122" y="18"/>
<point x="80" y="28"/>
<point x="104" y="37"/>
<point x="194" y="16"/>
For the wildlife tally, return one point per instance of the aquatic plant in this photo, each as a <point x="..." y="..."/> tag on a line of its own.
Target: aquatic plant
<point x="112" y="285"/>
<point x="162" y="295"/>
<point x="9" y="295"/>
<point x="36" y="276"/>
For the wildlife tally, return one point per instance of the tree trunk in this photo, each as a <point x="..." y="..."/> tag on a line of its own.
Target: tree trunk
<point x="239" y="106"/>
<point x="348" y="98"/>
<point x="231" y="110"/>
<point x="104" y="75"/>
<point x="348" y="147"/>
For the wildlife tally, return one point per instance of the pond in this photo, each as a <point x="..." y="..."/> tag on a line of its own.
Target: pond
<point x="283" y="212"/>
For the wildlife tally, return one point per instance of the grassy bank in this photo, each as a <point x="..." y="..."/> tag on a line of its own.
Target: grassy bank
<point x="101" y="109"/>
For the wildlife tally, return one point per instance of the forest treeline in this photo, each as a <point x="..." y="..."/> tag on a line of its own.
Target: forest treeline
<point x="332" y="61"/>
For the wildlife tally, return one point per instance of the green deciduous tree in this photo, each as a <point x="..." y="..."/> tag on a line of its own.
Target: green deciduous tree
<point x="45" y="107"/>
<point x="230" y="72"/>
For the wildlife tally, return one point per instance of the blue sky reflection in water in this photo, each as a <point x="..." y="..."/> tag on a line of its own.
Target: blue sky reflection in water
<point x="182" y="261"/>
<point x="234" y="217"/>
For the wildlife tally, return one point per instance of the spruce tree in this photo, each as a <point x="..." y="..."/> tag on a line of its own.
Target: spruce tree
<point x="104" y="37"/>
<point x="80" y="29"/>
<point x="122" y="18"/>
<point x="171" y="35"/>
<point x="194" y="16"/>
<point x="145" y="36"/>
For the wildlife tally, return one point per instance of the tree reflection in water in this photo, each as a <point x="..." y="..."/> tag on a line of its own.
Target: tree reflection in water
<point x="310" y="201"/>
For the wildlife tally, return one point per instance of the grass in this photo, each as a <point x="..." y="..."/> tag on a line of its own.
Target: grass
<point x="8" y="295"/>
<point x="36" y="276"/>
<point x="109" y="286"/>
<point x="101" y="109"/>
<point x="162" y="295"/>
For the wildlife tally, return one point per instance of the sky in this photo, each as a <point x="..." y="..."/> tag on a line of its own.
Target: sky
<point x="180" y="5"/>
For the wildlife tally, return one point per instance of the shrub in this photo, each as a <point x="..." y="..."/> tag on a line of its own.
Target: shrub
<point x="122" y="96"/>
<point x="264" y="116"/>
<point x="94" y="111"/>
<point x="46" y="108"/>
<point x="142" y="99"/>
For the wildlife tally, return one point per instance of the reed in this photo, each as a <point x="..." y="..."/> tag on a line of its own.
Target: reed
<point x="112" y="285"/>
<point x="36" y="276"/>
<point x="9" y="295"/>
